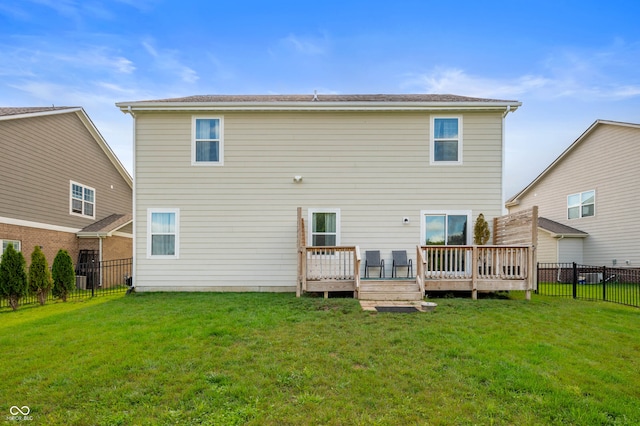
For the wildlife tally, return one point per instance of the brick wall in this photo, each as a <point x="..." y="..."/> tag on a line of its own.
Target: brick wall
<point x="51" y="241"/>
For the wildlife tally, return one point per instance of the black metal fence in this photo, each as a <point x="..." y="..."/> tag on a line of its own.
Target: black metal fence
<point x="92" y="279"/>
<point x="617" y="285"/>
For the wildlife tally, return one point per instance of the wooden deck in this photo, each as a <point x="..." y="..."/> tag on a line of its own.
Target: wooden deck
<point x="439" y="268"/>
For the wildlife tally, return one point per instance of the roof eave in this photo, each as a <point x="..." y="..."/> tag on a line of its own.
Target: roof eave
<point x="317" y="106"/>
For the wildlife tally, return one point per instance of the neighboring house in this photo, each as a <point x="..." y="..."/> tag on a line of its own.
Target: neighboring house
<point x="218" y="180"/>
<point x="62" y="186"/>
<point x="585" y="196"/>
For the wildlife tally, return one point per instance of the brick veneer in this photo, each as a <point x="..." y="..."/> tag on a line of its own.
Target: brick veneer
<point x="115" y="247"/>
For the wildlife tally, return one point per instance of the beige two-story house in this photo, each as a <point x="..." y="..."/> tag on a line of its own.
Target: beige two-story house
<point x="219" y="180"/>
<point x="62" y="185"/>
<point x="585" y="199"/>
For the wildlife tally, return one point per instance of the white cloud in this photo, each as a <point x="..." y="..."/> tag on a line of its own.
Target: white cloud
<point x="456" y="81"/>
<point x="306" y="45"/>
<point x="167" y="60"/>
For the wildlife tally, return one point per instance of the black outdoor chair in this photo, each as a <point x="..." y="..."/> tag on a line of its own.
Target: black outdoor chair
<point x="372" y="260"/>
<point x="400" y="261"/>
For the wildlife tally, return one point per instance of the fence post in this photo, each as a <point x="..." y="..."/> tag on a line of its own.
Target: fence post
<point x="604" y="283"/>
<point x="575" y="280"/>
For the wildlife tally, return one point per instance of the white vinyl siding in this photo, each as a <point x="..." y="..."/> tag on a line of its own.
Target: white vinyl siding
<point x="570" y="250"/>
<point x="238" y="222"/>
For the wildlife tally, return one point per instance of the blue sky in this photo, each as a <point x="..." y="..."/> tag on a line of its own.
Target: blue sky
<point x="569" y="62"/>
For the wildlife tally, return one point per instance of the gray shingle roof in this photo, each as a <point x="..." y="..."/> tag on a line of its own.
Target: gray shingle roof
<point x="558" y="228"/>
<point x="6" y="111"/>
<point x="108" y="224"/>
<point x="328" y="98"/>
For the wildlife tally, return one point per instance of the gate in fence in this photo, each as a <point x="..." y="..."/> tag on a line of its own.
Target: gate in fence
<point x="617" y="285"/>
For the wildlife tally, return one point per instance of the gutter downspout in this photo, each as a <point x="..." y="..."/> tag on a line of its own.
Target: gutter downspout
<point x="100" y="258"/>
<point x="502" y="178"/>
<point x="133" y="201"/>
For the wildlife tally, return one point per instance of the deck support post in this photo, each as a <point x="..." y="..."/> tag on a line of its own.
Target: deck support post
<point x="474" y="272"/>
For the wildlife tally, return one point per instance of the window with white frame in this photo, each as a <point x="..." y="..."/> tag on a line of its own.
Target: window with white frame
<point x="163" y="237"/>
<point x="446" y="140"/>
<point x="15" y="243"/>
<point x="82" y="200"/>
<point x="446" y="228"/>
<point x="582" y="204"/>
<point x="207" y="147"/>
<point x="324" y="227"/>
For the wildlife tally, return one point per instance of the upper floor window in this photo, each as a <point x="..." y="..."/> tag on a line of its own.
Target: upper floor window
<point x="162" y="233"/>
<point x="446" y="140"/>
<point x="5" y="244"/>
<point x="83" y="200"/>
<point x="207" y="147"/>
<point x="325" y="227"/>
<point x="582" y="204"/>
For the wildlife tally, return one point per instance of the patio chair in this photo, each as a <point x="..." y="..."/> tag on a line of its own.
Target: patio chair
<point x="400" y="261"/>
<point x="372" y="260"/>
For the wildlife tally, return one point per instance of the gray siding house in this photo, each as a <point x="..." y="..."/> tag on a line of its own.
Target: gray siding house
<point x="219" y="179"/>
<point x="62" y="185"/>
<point x="582" y="199"/>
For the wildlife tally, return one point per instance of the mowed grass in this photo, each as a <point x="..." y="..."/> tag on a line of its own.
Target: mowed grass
<point x="273" y="359"/>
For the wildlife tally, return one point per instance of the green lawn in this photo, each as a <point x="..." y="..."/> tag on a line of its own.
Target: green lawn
<point x="272" y="359"/>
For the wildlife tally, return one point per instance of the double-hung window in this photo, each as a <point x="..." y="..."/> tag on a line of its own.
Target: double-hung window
<point x="446" y="140"/>
<point x="325" y="227"/>
<point x="83" y="200"/>
<point x="14" y="243"/>
<point x="446" y="228"/>
<point x="207" y="144"/>
<point x="163" y="233"/>
<point x="582" y="204"/>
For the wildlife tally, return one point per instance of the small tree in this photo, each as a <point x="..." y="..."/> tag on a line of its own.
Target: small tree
<point x="39" y="276"/>
<point x="64" y="277"/>
<point x="13" y="277"/>
<point x="481" y="231"/>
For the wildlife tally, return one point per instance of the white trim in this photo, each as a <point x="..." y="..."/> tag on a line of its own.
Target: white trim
<point x="39" y="113"/>
<point x="2" y="240"/>
<point x="175" y="211"/>
<point x="580" y="205"/>
<point x="38" y="225"/>
<point x="317" y="106"/>
<point x="310" y="213"/>
<point x="220" y="161"/>
<point x="432" y="159"/>
<point x="71" y="212"/>
<point x="423" y="225"/>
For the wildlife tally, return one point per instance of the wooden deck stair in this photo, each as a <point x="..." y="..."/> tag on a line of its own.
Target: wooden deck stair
<point x="390" y="289"/>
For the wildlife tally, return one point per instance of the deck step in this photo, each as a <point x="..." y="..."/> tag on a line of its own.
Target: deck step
<point x="389" y="290"/>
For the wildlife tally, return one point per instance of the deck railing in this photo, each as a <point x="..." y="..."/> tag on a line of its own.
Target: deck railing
<point x="491" y="268"/>
<point x="329" y="263"/>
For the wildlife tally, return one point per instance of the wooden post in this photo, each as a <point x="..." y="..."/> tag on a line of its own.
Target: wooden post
<point x="300" y="252"/>
<point x="474" y="272"/>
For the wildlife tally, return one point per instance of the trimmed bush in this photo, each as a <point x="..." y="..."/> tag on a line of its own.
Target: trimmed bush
<point x="40" y="281"/>
<point x="64" y="277"/>
<point x="13" y="277"/>
<point x="481" y="231"/>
